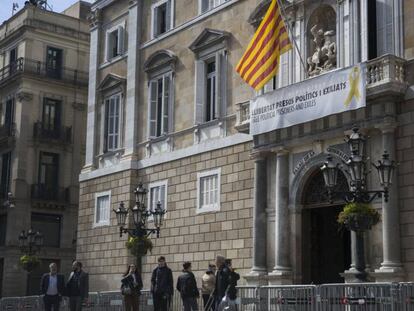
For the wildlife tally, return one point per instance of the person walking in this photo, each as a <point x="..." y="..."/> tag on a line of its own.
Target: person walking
<point x="52" y="287"/>
<point x="162" y="286"/>
<point x="222" y="279"/>
<point x="77" y="287"/>
<point x="208" y="284"/>
<point x="131" y="285"/>
<point x="187" y="286"/>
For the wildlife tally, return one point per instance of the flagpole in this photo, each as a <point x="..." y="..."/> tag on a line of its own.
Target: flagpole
<point x="292" y="36"/>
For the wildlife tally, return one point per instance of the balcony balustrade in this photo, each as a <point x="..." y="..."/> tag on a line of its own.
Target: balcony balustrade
<point x="41" y="69"/>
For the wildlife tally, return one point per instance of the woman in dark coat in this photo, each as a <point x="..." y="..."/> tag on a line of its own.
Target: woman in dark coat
<point x="131" y="285"/>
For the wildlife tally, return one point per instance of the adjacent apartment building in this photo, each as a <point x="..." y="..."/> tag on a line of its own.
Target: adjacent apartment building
<point x="166" y="108"/>
<point x="43" y="98"/>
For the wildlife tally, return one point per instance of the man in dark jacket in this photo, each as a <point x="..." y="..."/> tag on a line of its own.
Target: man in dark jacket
<point x="187" y="286"/>
<point x="162" y="286"/>
<point x="52" y="286"/>
<point x="77" y="287"/>
<point x="222" y="279"/>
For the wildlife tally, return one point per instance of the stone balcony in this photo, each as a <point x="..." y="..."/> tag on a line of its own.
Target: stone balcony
<point x="385" y="77"/>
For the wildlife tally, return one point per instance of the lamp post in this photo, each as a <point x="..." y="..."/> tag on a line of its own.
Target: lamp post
<point x="30" y="242"/>
<point x="356" y="169"/>
<point x="140" y="215"/>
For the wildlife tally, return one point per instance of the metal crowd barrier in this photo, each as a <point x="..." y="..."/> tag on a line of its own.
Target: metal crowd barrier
<point x="326" y="297"/>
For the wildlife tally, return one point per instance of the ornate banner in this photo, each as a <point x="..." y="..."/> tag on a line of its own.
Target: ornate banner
<point x="327" y="94"/>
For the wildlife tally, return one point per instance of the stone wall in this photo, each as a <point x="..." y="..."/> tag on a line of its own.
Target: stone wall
<point x="185" y="235"/>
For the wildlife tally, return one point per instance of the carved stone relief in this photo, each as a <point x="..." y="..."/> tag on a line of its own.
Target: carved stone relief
<point x="322" y="49"/>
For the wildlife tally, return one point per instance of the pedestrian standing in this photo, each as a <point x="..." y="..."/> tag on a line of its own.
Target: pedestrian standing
<point x="162" y="286"/>
<point x="208" y="284"/>
<point x="131" y="285"/>
<point x="222" y="279"/>
<point x="187" y="286"/>
<point x="77" y="287"/>
<point x="52" y="287"/>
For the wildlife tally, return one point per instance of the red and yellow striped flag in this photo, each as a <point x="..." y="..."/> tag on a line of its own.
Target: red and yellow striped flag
<point x="260" y="62"/>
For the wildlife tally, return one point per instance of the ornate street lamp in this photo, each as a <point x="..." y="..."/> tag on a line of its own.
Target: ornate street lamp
<point x="30" y="242"/>
<point x="140" y="215"/>
<point x="356" y="169"/>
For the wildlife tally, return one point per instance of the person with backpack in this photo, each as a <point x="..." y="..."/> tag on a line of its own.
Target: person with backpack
<point x="162" y="286"/>
<point x="208" y="284"/>
<point x="187" y="286"/>
<point x="131" y="285"/>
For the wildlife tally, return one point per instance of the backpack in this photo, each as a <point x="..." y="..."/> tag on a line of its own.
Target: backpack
<point x="186" y="289"/>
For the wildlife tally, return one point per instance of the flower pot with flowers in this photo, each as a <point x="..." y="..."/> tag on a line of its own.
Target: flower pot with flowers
<point x="29" y="262"/>
<point x="139" y="246"/>
<point x="359" y="217"/>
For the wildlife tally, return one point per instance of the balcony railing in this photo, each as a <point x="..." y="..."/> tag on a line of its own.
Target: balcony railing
<point x="62" y="134"/>
<point x="38" y="68"/>
<point x="7" y="130"/>
<point x="44" y="192"/>
<point x="385" y="75"/>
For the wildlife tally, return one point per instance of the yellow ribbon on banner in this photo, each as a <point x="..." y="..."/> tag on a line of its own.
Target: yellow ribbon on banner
<point x="354" y="77"/>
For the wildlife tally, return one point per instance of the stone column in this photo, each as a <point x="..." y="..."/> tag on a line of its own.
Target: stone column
<point x="95" y="23"/>
<point x="259" y="269"/>
<point x="282" y="272"/>
<point x="131" y="103"/>
<point x="391" y="267"/>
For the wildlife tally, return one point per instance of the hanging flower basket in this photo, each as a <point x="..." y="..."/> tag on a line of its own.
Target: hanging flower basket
<point x="139" y="246"/>
<point x="358" y="217"/>
<point x="29" y="263"/>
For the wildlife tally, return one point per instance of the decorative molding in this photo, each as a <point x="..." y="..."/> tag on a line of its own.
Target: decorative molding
<point x="79" y="106"/>
<point x="160" y="59"/>
<point x="94" y="18"/>
<point x="24" y="96"/>
<point x="207" y="38"/>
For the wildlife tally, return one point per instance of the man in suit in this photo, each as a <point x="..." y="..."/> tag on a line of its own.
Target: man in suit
<point x="77" y="288"/>
<point x="52" y="286"/>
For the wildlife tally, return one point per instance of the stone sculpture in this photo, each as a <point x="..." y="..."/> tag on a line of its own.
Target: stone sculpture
<point x="324" y="55"/>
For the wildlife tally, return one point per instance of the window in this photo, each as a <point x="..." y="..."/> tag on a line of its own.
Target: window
<point x="207" y="5"/>
<point x="159" y="105"/>
<point x="114" y="42"/>
<point x="48" y="171"/>
<point x="50" y="226"/>
<point x="162" y="20"/>
<point x="112" y="122"/>
<point x="210" y="87"/>
<point x="102" y="209"/>
<point x="3" y="226"/>
<point x="13" y="60"/>
<point x="7" y="116"/>
<point x="5" y="174"/>
<point x="208" y="191"/>
<point x="51" y="115"/>
<point x="158" y="193"/>
<point x="54" y="63"/>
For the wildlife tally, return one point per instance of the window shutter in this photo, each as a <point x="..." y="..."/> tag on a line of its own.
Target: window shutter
<point x="106" y="120"/>
<point x="116" y="122"/>
<point x="153" y="90"/>
<point x="162" y="196"/>
<point x="200" y="91"/>
<point x="284" y="69"/>
<point x="155" y="29"/>
<point x="120" y="47"/>
<point x="384" y="28"/>
<point x="221" y="84"/>
<point x="166" y="103"/>
<point x="204" y="5"/>
<point x="168" y="15"/>
<point x="108" y="46"/>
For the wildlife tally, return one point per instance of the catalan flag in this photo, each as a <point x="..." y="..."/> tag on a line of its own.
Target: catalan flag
<point x="260" y="62"/>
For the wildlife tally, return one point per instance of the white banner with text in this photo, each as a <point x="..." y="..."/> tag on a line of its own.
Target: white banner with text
<point x="331" y="93"/>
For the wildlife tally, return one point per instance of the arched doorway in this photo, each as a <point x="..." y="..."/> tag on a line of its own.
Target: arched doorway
<point x="326" y="250"/>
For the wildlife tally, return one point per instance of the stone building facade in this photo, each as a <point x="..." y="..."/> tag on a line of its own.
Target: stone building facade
<point x="43" y="95"/>
<point x="167" y="109"/>
<point x="190" y="157"/>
